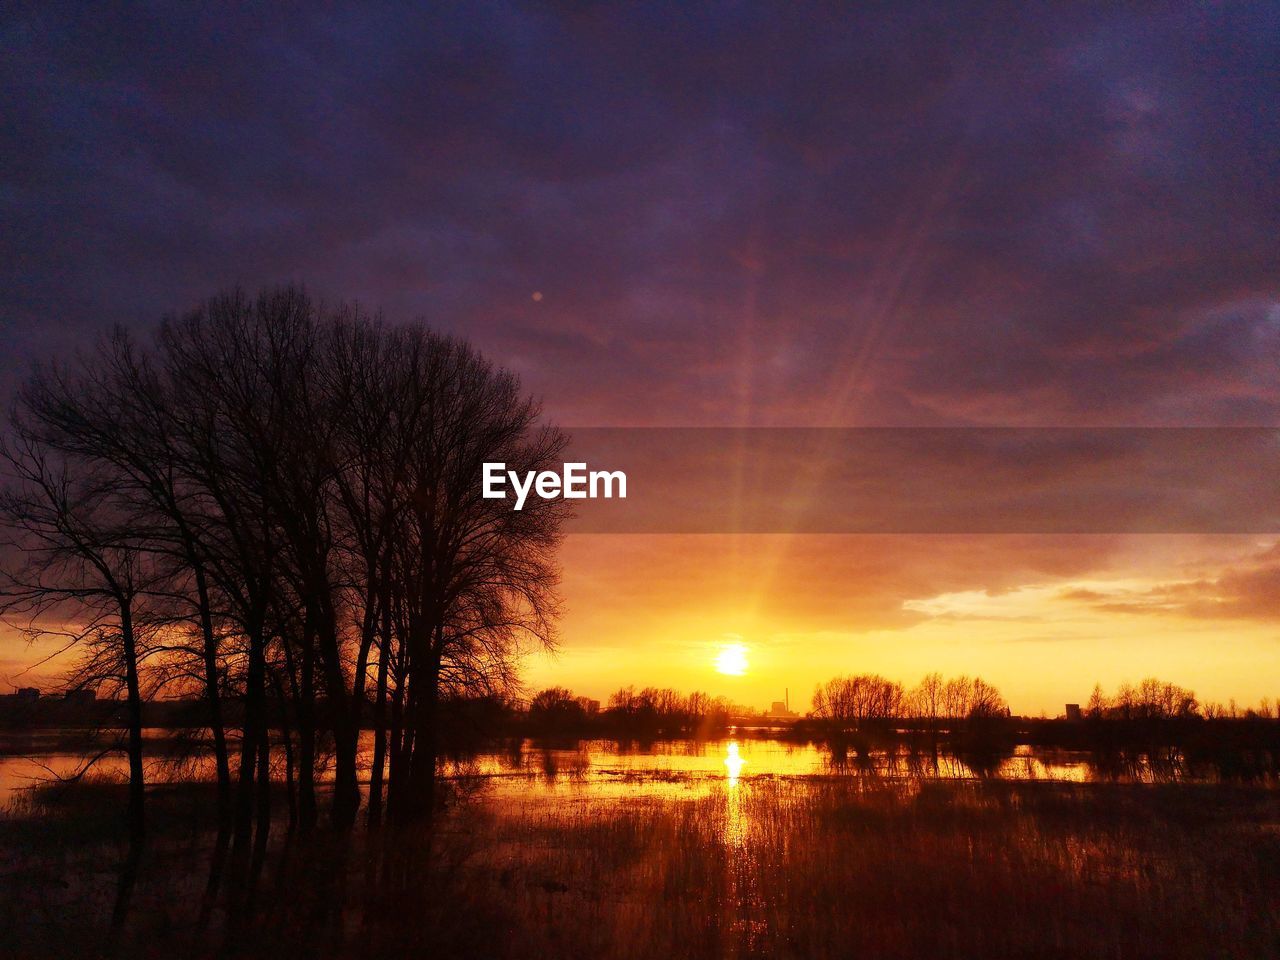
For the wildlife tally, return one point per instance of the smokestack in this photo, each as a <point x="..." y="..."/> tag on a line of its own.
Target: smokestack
<point x="786" y="695"/>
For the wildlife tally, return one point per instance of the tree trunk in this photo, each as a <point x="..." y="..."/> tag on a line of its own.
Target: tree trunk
<point x="214" y="697"/>
<point x="286" y="742"/>
<point x="307" y="734"/>
<point x="263" y="798"/>
<point x="395" y="748"/>
<point x="380" y="720"/>
<point x="368" y="628"/>
<point x="254" y="733"/>
<point x="346" y="786"/>
<point x="137" y="786"/>
<point x="420" y="805"/>
<point x="355" y="715"/>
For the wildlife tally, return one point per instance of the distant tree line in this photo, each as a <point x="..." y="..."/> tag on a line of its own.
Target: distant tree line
<point x="275" y="504"/>
<point x="651" y="712"/>
<point x="1155" y="701"/>
<point x="866" y="701"/>
<point x="859" y="703"/>
<point x="1161" y="730"/>
<point x="1152" y="730"/>
<point x="1152" y="699"/>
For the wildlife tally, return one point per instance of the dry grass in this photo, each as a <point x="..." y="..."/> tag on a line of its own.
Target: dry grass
<point x="834" y="868"/>
<point x="774" y="867"/>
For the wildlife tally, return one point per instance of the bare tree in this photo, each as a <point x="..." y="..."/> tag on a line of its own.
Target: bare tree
<point x="112" y="410"/>
<point x="479" y="578"/>
<point x="77" y="560"/>
<point x="295" y="493"/>
<point x="856" y="701"/>
<point x="927" y="702"/>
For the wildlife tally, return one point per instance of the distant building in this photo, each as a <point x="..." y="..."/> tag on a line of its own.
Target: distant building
<point x="781" y="709"/>
<point x="27" y="693"/>
<point x="1073" y="713"/>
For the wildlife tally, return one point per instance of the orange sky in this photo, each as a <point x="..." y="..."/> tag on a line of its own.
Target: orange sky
<point x="1042" y="617"/>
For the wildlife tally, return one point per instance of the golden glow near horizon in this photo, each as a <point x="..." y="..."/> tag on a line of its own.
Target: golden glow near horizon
<point x="1042" y="618"/>
<point x="732" y="660"/>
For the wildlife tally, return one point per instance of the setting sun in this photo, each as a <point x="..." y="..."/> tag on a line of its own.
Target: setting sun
<point x="732" y="660"/>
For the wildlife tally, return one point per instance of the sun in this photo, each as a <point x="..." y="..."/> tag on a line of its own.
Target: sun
<point x="732" y="660"/>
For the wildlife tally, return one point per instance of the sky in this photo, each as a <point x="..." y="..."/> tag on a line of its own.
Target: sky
<point x="725" y="215"/>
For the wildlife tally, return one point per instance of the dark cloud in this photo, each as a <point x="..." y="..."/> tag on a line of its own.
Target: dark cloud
<point x="1247" y="590"/>
<point x="735" y="213"/>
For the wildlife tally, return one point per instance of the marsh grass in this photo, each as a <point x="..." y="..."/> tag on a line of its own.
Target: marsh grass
<point x="769" y="867"/>
<point x="814" y="868"/>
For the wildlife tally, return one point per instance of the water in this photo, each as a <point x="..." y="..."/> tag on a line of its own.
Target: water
<point x="596" y="767"/>
<point x="604" y="767"/>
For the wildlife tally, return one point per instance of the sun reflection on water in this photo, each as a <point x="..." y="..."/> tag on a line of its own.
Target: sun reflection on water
<point x="733" y="762"/>
<point x="735" y="820"/>
<point x="743" y="899"/>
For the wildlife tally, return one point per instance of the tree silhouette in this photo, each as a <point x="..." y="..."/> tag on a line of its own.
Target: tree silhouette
<point x="286" y="497"/>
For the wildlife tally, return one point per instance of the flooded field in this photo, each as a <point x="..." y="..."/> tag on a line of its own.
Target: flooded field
<point x="603" y="767"/>
<point x="738" y="847"/>
<point x="662" y="854"/>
